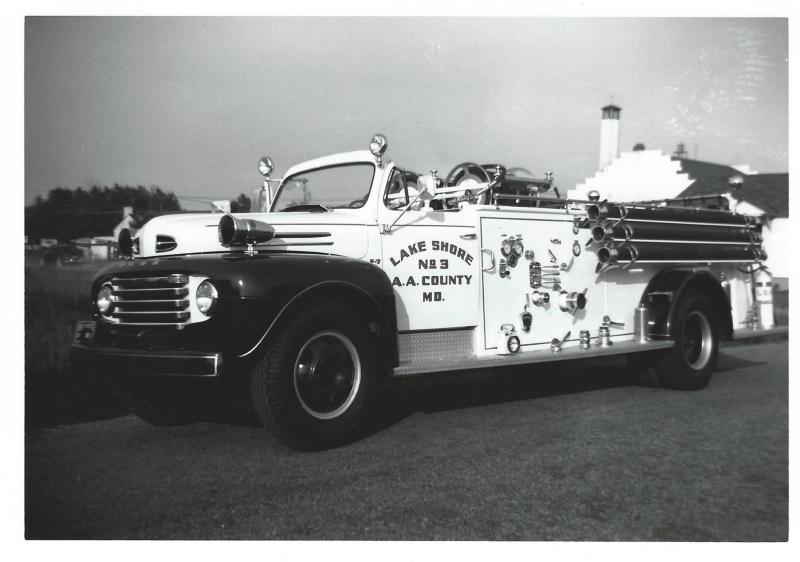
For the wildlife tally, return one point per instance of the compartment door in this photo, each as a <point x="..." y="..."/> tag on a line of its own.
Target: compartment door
<point x="551" y="240"/>
<point x="431" y="258"/>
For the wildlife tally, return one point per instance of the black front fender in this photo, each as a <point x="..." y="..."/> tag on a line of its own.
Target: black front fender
<point x="254" y="293"/>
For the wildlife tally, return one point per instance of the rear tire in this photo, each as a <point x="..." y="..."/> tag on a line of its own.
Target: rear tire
<point x="691" y="362"/>
<point x="315" y="386"/>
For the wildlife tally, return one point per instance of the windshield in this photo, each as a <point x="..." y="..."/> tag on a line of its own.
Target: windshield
<point x="335" y="187"/>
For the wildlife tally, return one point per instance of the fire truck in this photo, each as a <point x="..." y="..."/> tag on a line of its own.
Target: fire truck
<point x="354" y="270"/>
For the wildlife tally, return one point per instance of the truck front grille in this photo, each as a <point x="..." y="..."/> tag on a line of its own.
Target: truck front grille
<point x="150" y="301"/>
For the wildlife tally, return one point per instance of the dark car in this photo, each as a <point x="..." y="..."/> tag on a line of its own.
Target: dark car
<point x="61" y="254"/>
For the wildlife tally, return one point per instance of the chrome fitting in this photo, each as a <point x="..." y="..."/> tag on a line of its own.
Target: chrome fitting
<point x="604" y="337"/>
<point x="640" y="322"/>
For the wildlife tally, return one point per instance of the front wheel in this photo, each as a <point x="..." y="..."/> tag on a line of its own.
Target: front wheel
<point x="315" y="385"/>
<point x="691" y="362"/>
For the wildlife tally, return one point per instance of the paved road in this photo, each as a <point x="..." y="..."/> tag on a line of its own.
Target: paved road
<point x="572" y="454"/>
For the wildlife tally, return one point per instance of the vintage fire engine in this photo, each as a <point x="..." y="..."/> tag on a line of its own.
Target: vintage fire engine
<point x="359" y="270"/>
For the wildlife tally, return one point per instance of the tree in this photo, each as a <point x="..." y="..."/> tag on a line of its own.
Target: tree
<point x="67" y="214"/>
<point x="241" y="204"/>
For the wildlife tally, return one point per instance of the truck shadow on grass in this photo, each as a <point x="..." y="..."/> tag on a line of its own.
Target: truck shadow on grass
<point x="451" y="391"/>
<point x="59" y="398"/>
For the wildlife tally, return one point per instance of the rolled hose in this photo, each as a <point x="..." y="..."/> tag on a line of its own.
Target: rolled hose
<point x="665" y="252"/>
<point x="600" y="211"/>
<point x="673" y="231"/>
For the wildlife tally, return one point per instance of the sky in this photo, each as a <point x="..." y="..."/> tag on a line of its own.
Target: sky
<point x="191" y="104"/>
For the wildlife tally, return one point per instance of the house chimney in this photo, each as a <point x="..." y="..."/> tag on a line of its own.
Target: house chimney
<point x="609" y="135"/>
<point x="680" y="151"/>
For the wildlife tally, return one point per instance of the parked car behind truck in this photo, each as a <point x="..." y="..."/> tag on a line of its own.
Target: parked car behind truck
<point x="61" y="254"/>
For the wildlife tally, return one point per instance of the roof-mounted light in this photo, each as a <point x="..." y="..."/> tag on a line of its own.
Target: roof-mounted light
<point x="377" y="146"/>
<point x="265" y="166"/>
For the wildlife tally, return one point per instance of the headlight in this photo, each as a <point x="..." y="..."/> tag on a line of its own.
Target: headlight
<point x="206" y="296"/>
<point x="104" y="298"/>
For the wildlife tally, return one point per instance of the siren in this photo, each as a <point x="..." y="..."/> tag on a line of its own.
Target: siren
<point x="243" y="232"/>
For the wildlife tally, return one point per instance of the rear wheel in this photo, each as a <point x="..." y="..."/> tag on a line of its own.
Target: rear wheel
<point x="314" y="387"/>
<point x="691" y="362"/>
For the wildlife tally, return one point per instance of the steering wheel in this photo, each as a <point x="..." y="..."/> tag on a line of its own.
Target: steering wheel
<point x="464" y="171"/>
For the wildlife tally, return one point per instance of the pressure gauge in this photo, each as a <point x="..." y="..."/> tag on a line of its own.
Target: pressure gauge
<point x="518" y="247"/>
<point x="506" y="248"/>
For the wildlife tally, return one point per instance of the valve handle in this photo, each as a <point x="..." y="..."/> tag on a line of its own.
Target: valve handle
<point x="607" y="321"/>
<point x="555" y="344"/>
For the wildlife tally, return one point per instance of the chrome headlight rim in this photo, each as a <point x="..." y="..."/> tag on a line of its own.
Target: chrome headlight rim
<point x="104" y="299"/>
<point x="205" y="297"/>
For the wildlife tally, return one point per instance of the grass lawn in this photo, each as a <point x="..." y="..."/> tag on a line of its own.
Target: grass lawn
<point x="55" y="298"/>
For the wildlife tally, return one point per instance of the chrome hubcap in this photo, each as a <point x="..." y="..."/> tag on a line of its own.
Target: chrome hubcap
<point x="327" y="375"/>
<point x="697" y="340"/>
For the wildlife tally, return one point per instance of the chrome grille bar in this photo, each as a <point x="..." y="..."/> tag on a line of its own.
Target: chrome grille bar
<point x="173" y="315"/>
<point x="175" y="279"/>
<point x="175" y="290"/>
<point x="156" y="301"/>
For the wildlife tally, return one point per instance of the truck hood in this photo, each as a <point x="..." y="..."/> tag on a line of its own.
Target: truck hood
<point x="341" y="232"/>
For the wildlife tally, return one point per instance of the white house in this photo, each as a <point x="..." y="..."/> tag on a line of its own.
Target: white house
<point x="651" y="175"/>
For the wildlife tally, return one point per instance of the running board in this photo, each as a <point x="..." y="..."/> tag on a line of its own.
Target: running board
<point x="748" y="333"/>
<point x="407" y="369"/>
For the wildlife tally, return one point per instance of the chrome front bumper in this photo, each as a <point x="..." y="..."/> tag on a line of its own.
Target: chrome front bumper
<point x="135" y="362"/>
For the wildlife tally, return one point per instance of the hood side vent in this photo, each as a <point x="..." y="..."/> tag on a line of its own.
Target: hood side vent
<point x="165" y="243"/>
